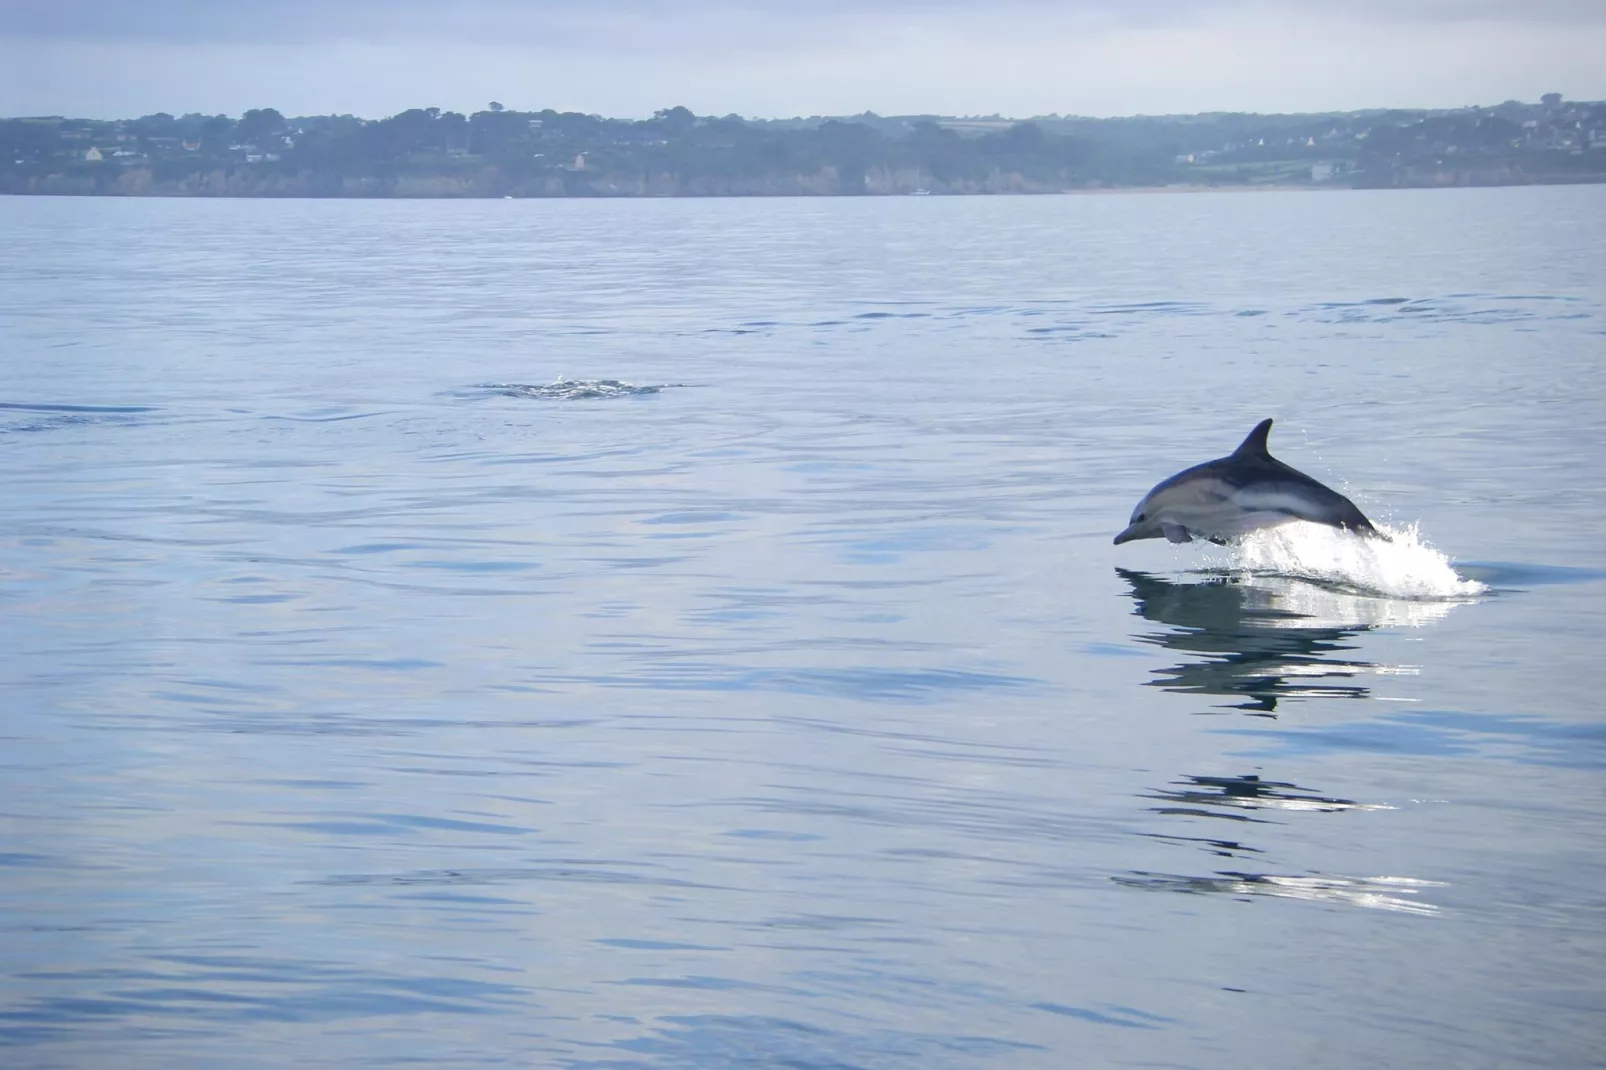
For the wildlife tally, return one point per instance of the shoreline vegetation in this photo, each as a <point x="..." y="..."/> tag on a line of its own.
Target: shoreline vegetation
<point x="500" y="152"/>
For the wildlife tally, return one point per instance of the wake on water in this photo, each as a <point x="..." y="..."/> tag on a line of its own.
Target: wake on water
<point x="1404" y="568"/>
<point x="565" y="389"/>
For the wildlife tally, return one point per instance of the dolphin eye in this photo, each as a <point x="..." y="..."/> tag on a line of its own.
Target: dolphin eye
<point x="1138" y="519"/>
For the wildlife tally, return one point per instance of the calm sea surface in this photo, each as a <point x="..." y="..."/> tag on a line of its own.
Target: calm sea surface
<point x="370" y="697"/>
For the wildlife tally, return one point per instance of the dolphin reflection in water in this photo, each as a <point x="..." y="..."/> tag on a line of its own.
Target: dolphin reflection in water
<point x="1245" y="491"/>
<point x="1259" y="641"/>
<point x="1255" y="642"/>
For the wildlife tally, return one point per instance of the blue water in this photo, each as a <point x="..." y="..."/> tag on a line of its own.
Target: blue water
<point x="392" y="676"/>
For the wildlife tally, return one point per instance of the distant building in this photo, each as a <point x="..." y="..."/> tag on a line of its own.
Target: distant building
<point x="92" y="155"/>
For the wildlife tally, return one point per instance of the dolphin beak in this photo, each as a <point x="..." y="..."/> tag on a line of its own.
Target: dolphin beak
<point x="1128" y="535"/>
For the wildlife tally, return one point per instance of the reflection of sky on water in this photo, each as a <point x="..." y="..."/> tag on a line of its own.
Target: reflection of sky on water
<point x="1445" y="733"/>
<point x="1238" y="798"/>
<point x="1376" y="893"/>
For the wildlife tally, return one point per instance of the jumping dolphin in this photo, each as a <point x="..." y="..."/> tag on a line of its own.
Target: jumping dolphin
<point x="1234" y="495"/>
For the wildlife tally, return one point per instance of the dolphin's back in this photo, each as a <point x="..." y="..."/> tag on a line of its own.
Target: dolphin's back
<point x="1253" y="470"/>
<point x="1251" y="480"/>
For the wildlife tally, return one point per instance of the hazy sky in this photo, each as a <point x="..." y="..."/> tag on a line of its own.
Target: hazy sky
<point x="114" y="58"/>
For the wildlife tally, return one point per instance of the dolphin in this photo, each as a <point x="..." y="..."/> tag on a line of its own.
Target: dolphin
<point x="1247" y="490"/>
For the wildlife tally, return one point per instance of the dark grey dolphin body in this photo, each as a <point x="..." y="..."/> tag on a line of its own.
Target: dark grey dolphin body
<point x="1245" y="491"/>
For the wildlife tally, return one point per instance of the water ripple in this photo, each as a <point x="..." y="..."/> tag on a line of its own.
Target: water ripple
<point x="358" y="716"/>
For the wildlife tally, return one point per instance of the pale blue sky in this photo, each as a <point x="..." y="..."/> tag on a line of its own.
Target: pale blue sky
<point x="109" y="58"/>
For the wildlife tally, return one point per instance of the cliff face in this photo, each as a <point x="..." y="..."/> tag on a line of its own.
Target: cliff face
<point x="499" y="153"/>
<point x="493" y="181"/>
<point x="245" y="182"/>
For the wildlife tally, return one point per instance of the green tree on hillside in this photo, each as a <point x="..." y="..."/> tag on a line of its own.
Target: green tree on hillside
<point x="259" y="126"/>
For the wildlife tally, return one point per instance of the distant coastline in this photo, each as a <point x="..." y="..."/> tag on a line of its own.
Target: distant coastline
<point x="498" y="152"/>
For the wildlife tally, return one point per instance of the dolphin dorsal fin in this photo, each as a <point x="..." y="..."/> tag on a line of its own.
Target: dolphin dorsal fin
<point x="1255" y="444"/>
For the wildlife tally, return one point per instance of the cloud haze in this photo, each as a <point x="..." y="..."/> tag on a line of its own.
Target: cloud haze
<point x="107" y="59"/>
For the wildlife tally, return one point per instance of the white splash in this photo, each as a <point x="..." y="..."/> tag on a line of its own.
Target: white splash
<point x="565" y="389"/>
<point x="1403" y="568"/>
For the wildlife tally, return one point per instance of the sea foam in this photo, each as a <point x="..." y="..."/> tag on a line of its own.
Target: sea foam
<point x="1404" y="567"/>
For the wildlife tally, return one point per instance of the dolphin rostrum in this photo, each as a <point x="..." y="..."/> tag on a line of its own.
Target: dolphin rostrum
<point x="1234" y="495"/>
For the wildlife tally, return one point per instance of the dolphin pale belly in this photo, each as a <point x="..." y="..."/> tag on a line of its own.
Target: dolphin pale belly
<point x="1245" y="491"/>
